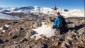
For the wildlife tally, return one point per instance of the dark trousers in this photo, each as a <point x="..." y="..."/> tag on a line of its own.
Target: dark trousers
<point x="62" y="29"/>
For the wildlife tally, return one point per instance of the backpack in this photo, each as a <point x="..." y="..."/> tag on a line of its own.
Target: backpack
<point x="62" y="22"/>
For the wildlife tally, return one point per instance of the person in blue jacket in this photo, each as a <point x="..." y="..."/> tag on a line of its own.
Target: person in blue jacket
<point x="59" y="23"/>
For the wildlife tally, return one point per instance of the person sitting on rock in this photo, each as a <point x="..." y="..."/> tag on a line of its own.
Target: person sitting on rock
<point x="59" y="23"/>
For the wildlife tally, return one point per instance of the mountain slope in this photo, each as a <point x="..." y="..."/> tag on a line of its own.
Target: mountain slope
<point x="8" y="17"/>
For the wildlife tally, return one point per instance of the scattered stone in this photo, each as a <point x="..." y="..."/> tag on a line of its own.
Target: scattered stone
<point x="13" y="46"/>
<point x="81" y="31"/>
<point x="28" y="34"/>
<point x="19" y="34"/>
<point x="1" y="41"/>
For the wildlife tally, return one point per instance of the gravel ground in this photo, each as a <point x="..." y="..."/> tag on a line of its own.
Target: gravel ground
<point x="17" y="35"/>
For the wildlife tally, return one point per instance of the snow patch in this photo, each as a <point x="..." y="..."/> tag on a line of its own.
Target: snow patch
<point x="44" y="30"/>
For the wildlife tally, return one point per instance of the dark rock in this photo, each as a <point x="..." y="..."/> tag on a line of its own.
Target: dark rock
<point x="45" y="46"/>
<point x="33" y="32"/>
<point x="1" y="41"/>
<point x="5" y="28"/>
<point x="14" y="37"/>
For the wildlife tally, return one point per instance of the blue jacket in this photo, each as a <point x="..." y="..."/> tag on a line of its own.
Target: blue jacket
<point x="57" y="20"/>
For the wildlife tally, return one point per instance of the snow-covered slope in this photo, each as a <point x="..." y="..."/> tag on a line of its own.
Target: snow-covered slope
<point x="33" y="9"/>
<point x="72" y="13"/>
<point x="22" y="9"/>
<point x="8" y="17"/>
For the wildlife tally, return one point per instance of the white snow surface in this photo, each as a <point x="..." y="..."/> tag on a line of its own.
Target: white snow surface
<point x="72" y="13"/>
<point x="44" y="30"/>
<point x="8" y="17"/>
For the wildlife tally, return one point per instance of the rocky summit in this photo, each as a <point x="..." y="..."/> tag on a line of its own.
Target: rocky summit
<point x="26" y="33"/>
